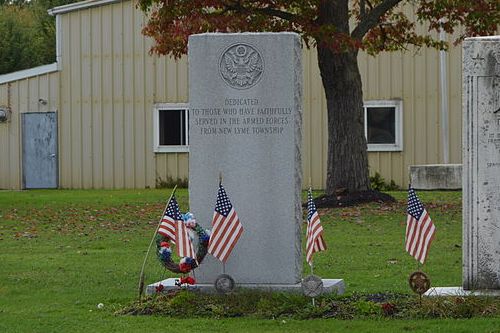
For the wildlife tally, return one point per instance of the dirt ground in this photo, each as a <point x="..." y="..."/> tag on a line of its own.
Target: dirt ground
<point x="352" y="199"/>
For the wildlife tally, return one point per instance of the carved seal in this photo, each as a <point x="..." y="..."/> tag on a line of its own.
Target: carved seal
<point x="241" y="66"/>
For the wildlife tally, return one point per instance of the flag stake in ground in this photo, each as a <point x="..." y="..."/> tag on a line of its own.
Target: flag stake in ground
<point x="418" y="237"/>
<point x="314" y="237"/>
<point x="226" y="227"/>
<point x="141" y="277"/>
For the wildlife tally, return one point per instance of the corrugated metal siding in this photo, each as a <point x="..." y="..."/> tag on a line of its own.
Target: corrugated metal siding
<point x="315" y="129"/>
<point x="109" y="84"/>
<point x="413" y="76"/>
<point x="22" y="96"/>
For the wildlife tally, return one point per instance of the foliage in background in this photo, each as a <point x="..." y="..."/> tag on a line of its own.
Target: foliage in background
<point x="338" y="29"/>
<point x="378" y="183"/>
<point x="27" y="34"/>
<point x="170" y="182"/>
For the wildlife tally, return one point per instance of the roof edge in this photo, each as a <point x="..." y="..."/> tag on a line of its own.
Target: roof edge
<point x="79" y="5"/>
<point x="27" y="73"/>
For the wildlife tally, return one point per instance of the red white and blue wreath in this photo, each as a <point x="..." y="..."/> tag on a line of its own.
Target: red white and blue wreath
<point x="186" y="264"/>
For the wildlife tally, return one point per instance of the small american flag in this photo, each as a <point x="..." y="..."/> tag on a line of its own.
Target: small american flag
<point x="315" y="241"/>
<point x="184" y="245"/>
<point x="169" y="221"/>
<point x="227" y="228"/>
<point x="419" y="228"/>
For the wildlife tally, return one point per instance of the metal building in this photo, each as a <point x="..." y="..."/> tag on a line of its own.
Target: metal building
<point x="117" y="115"/>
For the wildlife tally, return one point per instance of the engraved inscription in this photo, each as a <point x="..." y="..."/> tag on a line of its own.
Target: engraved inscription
<point x="241" y="117"/>
<point x="241" y="66"/>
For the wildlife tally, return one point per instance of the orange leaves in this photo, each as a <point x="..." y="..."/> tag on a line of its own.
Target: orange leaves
<point x="172" y="21"/>
<point x="479" y="17"/>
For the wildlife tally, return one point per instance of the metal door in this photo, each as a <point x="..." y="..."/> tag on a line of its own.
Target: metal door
<point x="40" y="150"/>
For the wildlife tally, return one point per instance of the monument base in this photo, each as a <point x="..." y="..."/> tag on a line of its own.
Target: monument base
<point x="329" y="286"/>
<point x="459" y="291"/>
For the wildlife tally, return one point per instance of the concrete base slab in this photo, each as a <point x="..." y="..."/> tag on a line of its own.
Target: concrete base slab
<point x="459" y="291"/>
<point x="436" y="176"/>
<point x="329" y="286"/>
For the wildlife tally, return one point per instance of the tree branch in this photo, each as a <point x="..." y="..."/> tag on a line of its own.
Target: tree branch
<point x="371" y="19"/>
<point x="269" y="11"/>
<point x="362" y="8"/>
<point x="276" y="12"/>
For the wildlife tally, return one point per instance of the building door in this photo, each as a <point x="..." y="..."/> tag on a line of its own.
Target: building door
<point x="40" y="150"/>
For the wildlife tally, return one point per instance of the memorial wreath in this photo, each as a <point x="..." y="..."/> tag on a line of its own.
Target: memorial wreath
<point x="186" y="264"/>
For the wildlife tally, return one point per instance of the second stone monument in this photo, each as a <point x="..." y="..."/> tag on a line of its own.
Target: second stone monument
<point x="481" y="163"/>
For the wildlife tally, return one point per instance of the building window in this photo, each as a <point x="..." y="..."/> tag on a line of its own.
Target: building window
<point x="171" y="126"/>
<point x="383" y="125"/>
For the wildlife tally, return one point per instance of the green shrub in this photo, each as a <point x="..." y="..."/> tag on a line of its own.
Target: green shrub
<point x="378" y="183"/>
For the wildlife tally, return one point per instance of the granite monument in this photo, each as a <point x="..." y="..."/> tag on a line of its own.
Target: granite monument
<point x="245" y="123"/>
<point x="481" y="163"/>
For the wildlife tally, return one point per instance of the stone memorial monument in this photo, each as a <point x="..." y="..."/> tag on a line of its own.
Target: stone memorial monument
<point x="481" y="163"/>
<point x="245" y="123"/>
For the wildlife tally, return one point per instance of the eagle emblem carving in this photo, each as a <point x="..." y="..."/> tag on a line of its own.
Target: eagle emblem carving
<point x="241" y="66"/>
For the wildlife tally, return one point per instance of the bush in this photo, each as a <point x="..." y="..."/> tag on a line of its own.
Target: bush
<point x="378" y="183"/>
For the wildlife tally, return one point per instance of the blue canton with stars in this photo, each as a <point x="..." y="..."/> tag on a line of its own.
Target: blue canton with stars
<point x="173" y="210"/>
<point x="415" y="207"/>
<point x="223" y="205"/>
<point x="311" y="207"/>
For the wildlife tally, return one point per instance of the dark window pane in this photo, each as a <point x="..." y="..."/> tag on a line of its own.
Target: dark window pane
<point x="381" y="124"/>
<point x="172" y="127"/>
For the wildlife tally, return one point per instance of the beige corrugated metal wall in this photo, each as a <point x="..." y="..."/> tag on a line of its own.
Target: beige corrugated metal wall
<point x="414" y="77"/>
<point x="109" y="84"/>
<point x="22" y="96"/>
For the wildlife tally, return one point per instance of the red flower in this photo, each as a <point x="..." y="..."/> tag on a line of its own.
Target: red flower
<point x="164" y="244"/>
<point x="188" y="280"/>
<point x="389" y="309"/>
<point x="185" y="267"/>
<point x="159" y="288"/>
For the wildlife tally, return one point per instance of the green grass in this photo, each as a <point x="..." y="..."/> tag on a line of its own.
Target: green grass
<point x="63" y="252"/>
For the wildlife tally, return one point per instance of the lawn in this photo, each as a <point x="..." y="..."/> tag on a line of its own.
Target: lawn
<point x="63" y="252"/>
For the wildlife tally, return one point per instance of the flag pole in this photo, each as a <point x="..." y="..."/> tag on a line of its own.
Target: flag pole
<point x="141" y="278"/>
<point x="311" y="264"/>
<point x="312" y="273"/>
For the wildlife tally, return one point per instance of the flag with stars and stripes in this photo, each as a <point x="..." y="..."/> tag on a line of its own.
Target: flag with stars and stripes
<point x="169" y="220"/>
<point x="226" y="227"/>
<point x="184" y="245"/>
<point x="419" y="228"/>
<point x="315" y="241"/>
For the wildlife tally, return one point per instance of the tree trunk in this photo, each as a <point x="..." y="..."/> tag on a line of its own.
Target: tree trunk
<point x="347" y="166"/>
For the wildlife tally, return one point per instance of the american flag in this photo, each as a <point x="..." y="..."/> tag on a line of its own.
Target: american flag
<point x="419" y="228"/>
<point x="184" y="245"/>
<point x="315" y="241"/>
<point x="169" y="220"/>
<point x="227" y="228"/>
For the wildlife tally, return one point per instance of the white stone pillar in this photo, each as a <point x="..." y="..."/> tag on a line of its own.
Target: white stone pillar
<point x="481" y="163"/>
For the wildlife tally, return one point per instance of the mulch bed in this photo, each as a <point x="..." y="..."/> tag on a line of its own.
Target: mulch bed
<point x="352" y="199"/>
